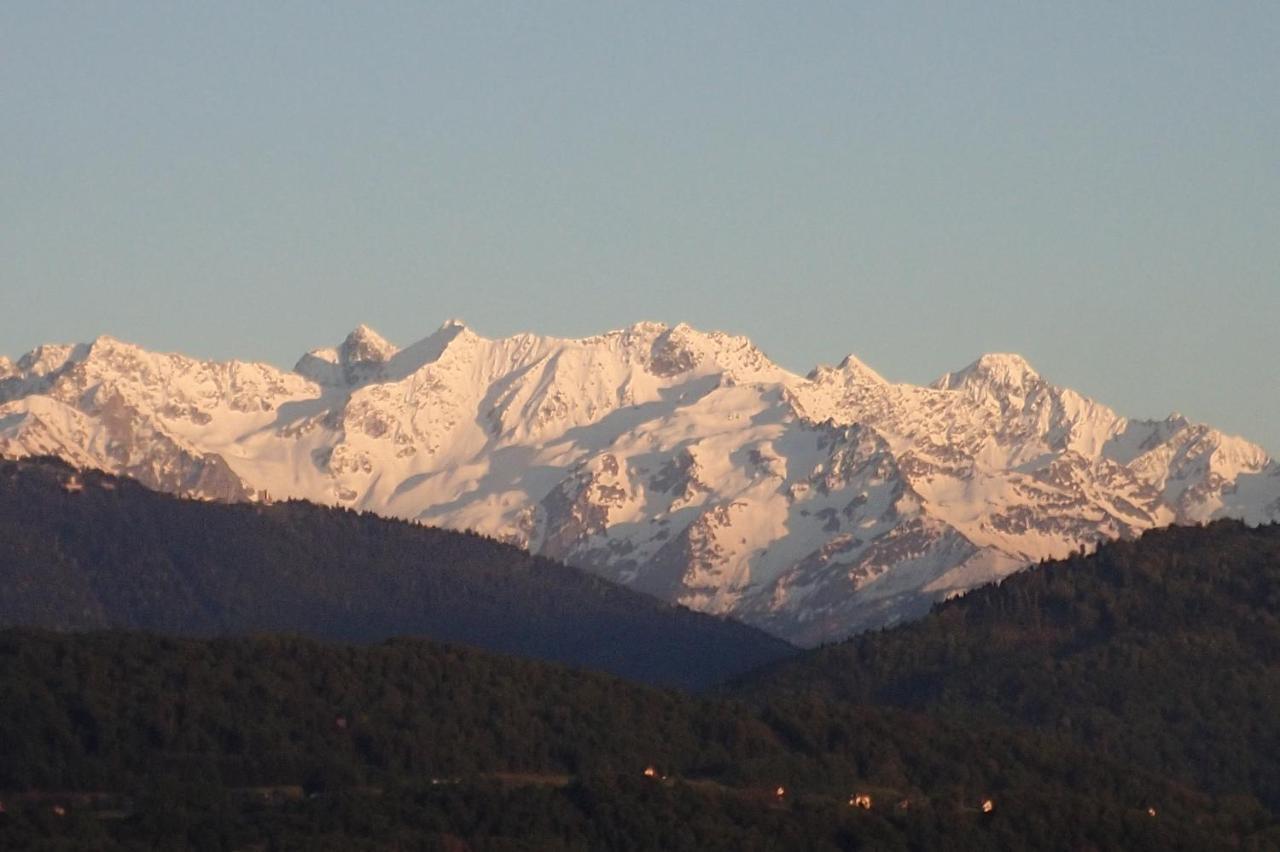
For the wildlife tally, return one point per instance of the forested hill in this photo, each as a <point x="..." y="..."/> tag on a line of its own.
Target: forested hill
<point x="84" y="550"/>
<point x="1162" y="653"/>
<point x="132" y="741"/>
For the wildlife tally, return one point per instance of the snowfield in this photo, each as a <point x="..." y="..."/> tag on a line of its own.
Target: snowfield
<point x="680" y="462"/>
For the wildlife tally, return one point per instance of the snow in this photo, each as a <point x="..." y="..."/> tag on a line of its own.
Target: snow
<point x="682" y="461"/>
<point x="997" y="369"/>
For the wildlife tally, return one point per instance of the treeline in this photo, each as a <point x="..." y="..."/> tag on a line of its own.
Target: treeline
<point x="1161" y="653"/>
<point x="83" y="550"/>
<point x="293" y="743"/>
<point x="1125" y="700"/>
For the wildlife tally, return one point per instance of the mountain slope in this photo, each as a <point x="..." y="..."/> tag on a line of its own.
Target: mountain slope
<point x="1162" y="653"/>
<point x="681" y="462"/>
<point x="87" y="550"/>
<point x="246" y="742"/>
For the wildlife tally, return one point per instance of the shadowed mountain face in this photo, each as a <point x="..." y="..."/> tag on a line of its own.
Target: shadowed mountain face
<point x="1162" y="653"/>
<point x="83" y="550"/>
<point x="410" y="743"/>
<point x="1127" y="700"/>
<point x="681" y="462"/>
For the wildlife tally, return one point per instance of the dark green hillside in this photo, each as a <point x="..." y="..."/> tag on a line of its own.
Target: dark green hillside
<point x="85" y="551"/>
<point x="149" y="742"/>
<point x="1076" y="696"/>
<point x="1161" y="653"/>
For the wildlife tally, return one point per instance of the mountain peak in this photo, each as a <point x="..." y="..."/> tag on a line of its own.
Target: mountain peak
<point x="429" y="349"/>
<point x="1005" y="370"/>
<point x="683" y="348"/>
<point x="680" y="460"/>
<point x="646" y="327"/>
<point x="50" y="357"/>
<point x="106" y="341"/>
<point x="364" y="345"/>
<point x="854" y="366"/>
<point x="360" y="355"/>
<point x="851" y="371"/>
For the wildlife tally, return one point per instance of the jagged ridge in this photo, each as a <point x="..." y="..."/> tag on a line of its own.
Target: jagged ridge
<point x="682" y="462"/>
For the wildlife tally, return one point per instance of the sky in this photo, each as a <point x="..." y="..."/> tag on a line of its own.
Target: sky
<point x="1094" y="185"/>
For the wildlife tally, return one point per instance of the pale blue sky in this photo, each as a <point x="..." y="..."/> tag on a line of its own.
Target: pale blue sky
<point x="1095" y="185"/>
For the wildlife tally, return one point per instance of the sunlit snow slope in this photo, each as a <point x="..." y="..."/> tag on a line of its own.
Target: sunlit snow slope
<point x="680" y="462"/>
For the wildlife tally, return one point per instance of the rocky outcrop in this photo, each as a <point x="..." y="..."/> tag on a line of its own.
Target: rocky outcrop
<point x="681" y="462"/>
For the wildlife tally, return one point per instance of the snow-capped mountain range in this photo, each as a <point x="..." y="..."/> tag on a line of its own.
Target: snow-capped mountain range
<point x="680" y="462"/>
